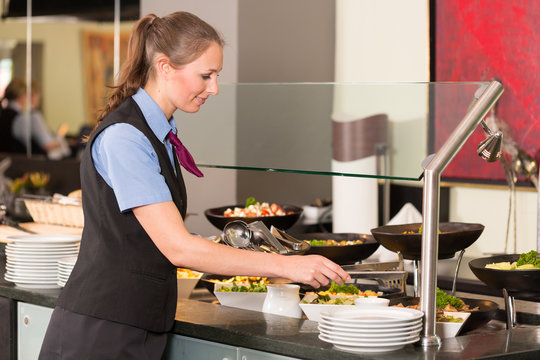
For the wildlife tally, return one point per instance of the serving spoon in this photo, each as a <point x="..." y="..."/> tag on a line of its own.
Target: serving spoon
<point x="241" y="235"/>
<point x="237" y="234"/>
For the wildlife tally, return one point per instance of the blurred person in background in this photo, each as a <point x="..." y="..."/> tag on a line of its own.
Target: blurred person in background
<point x="14" y="128"/>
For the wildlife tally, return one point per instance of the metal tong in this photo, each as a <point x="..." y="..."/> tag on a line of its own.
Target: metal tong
<point x="391" y="274"/>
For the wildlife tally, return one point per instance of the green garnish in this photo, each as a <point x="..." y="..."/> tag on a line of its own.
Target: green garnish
<point x="529" y="258"/>
<point x="449" y="318"/>
<point x="253" y="287"/>
<point x="444" y="299"/>
<point x="317" y="242"/>
<point x="250" y="201"/>
<point x="345" y="289"/>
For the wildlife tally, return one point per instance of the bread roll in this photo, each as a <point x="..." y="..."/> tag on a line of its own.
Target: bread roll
<point x="77" y="194"/>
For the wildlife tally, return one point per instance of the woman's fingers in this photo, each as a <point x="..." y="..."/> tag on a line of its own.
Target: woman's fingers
<point x="319" y="271"/>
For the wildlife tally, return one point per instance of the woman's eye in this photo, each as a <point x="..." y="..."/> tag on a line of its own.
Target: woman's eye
<point x="206" y="77"/>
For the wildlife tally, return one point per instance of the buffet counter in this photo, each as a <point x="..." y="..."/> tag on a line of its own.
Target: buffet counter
<point x="256" y="335"/>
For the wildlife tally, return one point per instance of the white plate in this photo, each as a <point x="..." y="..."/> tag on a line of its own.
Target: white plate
<point x="43" y="253"/>
<point x="33" y="259"/>
<point x="42" y="239"/>
<point x="359" y="347"/>
<point x="64" y="271"/>
<point x="29" y="281"/>
<point x="370" y="332"/>
<point x="374" y="325"/>
<point x="63" y="266"/>
<point x="22" y="247"/>
<point x="71" y="260"/>
<point x="32" y="265"/>
<point x="361" y="338"/>
<point x="313" y="311"/>
<point x="37" y="286"/>
<point x="29" y="272"/>
<point x="372" y="316"/>
<point x="30" y="277"/>
<point x="22" y="266"/>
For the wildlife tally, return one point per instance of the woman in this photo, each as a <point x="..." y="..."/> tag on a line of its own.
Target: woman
<point x="120" y="300"/>
<point x="14" y="128"/>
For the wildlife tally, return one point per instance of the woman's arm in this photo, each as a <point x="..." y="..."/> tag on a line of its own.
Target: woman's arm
<point x="164" y="225"/>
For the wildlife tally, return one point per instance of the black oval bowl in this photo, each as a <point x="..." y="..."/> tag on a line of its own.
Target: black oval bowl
<point x="486" y="311"/>
<point x="345" y="254"/>
<point x="453" y="237"/>
<point x="525" y="283"/>
<point x="216" y="217"/>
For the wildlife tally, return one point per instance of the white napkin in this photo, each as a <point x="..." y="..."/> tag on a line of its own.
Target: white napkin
<point x="407" y="215"/>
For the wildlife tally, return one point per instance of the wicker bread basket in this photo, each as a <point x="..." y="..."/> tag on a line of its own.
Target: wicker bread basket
<point x="49" y="212"/>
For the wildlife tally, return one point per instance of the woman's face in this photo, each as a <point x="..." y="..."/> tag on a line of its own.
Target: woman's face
<point x="189" y="86"/>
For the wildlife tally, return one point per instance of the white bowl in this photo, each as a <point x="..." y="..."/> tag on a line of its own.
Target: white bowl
<point x="313" y="311"/>
<point x="371" y="301"/>
<point x="451" y="329"/>
<point x="242" y="300"/>
<point x="186" y="286"/>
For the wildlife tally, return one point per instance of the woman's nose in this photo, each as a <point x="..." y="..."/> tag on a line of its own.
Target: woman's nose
<point x="213" y="88"/>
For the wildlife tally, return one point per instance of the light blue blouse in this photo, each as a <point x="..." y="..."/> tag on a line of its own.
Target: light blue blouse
<point x="126" y="160"/>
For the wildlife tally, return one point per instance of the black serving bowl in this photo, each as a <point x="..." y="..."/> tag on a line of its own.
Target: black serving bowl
<point x="283" y="222"/>
<point x="486" y="311"/>
<point x="524" y="283"/>
<point x="453" y="237"/>
<point x="341" y="254"/>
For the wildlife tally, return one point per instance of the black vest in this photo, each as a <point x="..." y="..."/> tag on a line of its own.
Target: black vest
<point x="7" y="142"/>
<point x="120" y="274"/>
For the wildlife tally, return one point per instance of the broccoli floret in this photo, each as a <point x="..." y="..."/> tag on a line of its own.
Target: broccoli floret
<point x="529" y="258"/>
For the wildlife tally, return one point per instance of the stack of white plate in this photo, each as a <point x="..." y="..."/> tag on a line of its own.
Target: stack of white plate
<point x="370" y="329"/>
<point x="65" y="265"/>
<point x="32" y="260"/>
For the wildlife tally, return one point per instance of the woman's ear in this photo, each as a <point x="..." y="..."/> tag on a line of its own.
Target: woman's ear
<point x="163" y="65"/>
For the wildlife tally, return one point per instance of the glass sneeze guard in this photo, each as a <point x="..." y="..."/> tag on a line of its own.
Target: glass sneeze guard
<point x="326" y="128"/>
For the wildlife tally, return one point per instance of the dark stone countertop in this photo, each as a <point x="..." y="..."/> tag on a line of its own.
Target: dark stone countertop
<point x="299" y="338"/>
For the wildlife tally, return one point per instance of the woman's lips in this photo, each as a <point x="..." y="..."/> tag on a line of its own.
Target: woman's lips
<point x="200" y="100"/>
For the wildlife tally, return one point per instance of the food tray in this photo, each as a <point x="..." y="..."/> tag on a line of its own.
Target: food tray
<point x="48" y="212"/>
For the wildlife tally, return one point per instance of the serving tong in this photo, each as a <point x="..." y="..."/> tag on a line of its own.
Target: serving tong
<point x="390" y="274"/>
<point x="257" y="237"/>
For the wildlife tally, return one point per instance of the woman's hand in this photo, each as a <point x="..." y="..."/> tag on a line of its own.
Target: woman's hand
<point x="314" y="270"/>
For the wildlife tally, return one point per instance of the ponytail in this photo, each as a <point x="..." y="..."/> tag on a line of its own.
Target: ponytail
<point x="134" y="71"/>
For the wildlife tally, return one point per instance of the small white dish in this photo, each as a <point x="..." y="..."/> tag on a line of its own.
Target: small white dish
<point x="242" y="300"/>
<point x="451" y="329"/>
<point x="186" y="286"/>
<point x="371" y="301"/>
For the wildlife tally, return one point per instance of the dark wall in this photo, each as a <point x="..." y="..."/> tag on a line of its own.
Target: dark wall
<point x="65" y="175"/>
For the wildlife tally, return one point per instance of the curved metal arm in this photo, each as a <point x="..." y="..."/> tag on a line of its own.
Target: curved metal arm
<point x="430" y="236"/>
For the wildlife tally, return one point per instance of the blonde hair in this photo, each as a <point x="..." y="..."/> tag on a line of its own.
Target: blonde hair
<point x="181" y="36"/>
